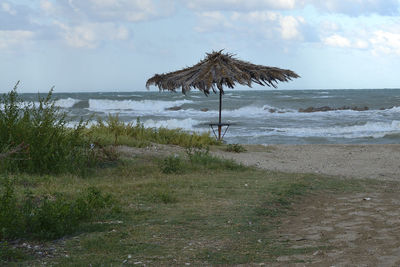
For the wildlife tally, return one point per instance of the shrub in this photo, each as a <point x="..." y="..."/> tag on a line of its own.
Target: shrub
<point x="163" y="196"/>
<point x="172" y="164"/>
<point x="49" y="146"/>
<point x="47" y="217"/>
<point x="202" y="158"/>
<point x="139" y="136"/>
<point x="8" y="253"/>
<point x="235" y="148"/>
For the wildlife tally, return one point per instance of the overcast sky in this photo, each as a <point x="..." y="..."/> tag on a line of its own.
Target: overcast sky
<point x="116" y="45"/>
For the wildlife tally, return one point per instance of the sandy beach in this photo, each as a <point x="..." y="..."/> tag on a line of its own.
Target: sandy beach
<point x="351" y="161"/>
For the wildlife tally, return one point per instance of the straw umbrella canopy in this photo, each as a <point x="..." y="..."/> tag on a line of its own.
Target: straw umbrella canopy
<point x="218" y="70"/>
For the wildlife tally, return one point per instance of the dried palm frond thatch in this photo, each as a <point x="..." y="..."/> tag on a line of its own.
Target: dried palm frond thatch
<point x="218" y="70"/>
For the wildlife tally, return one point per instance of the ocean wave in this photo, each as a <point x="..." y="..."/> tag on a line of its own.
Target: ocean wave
<point x="254" y="111"/>
<point x="105" y="105"/>
<point x="66" y="102"/>
<point x="185" y="124"/>
<point x="369" y="129"/>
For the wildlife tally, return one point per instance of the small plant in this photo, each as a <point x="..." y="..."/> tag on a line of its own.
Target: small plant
<point x="8" y="253"/>
<point x="201" y="158"/>
<point x="47" y="217"/>
<point x="163" y="196"/>
<point x="34" y="137"/>
<point x="114" y="131"/>
<point x="237" y="148"/>
<point x="172" y="164"/>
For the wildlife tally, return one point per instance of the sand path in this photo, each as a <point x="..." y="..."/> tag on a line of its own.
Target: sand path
<point x="353" y="161"/>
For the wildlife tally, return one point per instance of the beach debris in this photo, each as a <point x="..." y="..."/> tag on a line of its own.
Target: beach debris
<point x="367" y="198"/>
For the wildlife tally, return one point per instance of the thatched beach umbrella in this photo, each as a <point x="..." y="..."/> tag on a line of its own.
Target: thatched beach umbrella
<point x="217" y="70"/>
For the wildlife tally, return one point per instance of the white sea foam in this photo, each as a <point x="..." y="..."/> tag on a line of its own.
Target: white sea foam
<point x="105" y="105"/>
<point x="255" y="111"/>
<point x="369" y="129"/>
<point x="66" y="102"/>
<point x="185" y="124"/>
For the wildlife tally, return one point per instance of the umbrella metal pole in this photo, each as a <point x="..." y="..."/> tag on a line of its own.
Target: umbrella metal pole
<point x="219" y="122"/>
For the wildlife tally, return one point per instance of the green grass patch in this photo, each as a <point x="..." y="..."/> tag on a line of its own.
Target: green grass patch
<point x="237" y="148"/>
<point x="49" y="216"/>
<point x="10" y="254"/>
<point x="116" y="132"/>
<point x="209" y="214"/>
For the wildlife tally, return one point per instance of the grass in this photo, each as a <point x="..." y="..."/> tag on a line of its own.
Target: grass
<point x="113" y="131"/>
<point x="36" y="139"/>
<point x="207" y="214"/>
<point x="237" y="148"/>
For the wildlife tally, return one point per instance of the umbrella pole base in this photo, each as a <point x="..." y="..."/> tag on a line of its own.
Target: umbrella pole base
<point x="220" y="134"/>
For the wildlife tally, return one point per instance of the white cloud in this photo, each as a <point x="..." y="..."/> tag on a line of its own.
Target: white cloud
<point x="14" y="39"/>
<point x="118" y="10"/>
<point x="47" y="6"/>
<point x="212" y="21"/>
<point x="358" y="7"/>
<point x="385" y="42"/>
<point x="377" y="41"/>
<point x="241" y="5"/>
<point x="348" y="7"/>
<point x="337" y="40"/>
<point x="264" y="24"/>
<point x="290" y="27"/>
<point x="91" y="34"/>
<point x="255" y="16"/>
<point x="7" y="8"/>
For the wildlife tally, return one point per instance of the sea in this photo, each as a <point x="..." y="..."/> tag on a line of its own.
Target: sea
<point x="370" y="116"/>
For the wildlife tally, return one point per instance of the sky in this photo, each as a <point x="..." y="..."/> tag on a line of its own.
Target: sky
<point x="116" y="45"/>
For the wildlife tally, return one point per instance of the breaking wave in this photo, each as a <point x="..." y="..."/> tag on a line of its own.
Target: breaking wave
<point x="105" y="105"/>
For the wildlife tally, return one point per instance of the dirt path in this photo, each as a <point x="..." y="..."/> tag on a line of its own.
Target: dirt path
<point x="358" y="230"/>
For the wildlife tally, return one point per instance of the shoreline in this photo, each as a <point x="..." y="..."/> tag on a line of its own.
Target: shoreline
<point x="367" y="161"/>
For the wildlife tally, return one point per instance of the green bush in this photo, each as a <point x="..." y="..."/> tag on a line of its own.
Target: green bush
<point x="114" y="131"/>
<point x="163" y="196"/>
<point x="47" y="217"/>
<point x="235" y="148"/>
<point x="35" y="137"/>
<point x="172" y="164"/>
<point x="201" y="158"/>
<point x="198" y="159"/>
